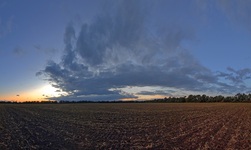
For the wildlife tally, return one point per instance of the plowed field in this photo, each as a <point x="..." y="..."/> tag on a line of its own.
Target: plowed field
<point x="125" y="126"/>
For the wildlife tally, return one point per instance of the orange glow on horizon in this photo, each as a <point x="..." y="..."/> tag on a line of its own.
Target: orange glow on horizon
<point x="38" y="94"/>
<point x="44" y="92"/>
<point x="144" y="97"/>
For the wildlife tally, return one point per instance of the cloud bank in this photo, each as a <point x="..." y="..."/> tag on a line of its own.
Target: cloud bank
<point x="122" y="48"/>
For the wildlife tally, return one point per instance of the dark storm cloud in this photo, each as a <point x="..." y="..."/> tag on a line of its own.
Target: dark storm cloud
<point x="111" y="34"/>
<point x="157" y="92"/>
<point x="105" y="97"/>
<point x="119" y="49"/>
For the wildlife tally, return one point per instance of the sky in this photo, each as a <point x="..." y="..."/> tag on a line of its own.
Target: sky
<point x="123" y="49"/>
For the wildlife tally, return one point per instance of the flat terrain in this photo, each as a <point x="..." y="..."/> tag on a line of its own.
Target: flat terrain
<point x="125" y="126"/>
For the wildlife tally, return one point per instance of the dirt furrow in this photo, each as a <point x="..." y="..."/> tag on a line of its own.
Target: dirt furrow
<point x="125" y="126"/>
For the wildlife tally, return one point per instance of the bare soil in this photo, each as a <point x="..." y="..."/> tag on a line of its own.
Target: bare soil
<point x="126" y="126"/>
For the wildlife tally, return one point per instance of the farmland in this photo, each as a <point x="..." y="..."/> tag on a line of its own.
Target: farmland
<point x="126" y="126"/>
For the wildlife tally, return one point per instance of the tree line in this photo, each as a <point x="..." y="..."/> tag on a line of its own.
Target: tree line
<point x="240" y="97"/>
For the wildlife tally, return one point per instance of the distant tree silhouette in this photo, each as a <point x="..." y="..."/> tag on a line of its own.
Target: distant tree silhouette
<point x="238" y="98"/>
<point x="207" y="99"/>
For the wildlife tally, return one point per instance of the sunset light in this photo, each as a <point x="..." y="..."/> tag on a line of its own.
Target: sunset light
<point x="125" y="74"/>
<point x="42" y="93"/>
<point x="49" y="91"/>
<point x="123" y="50"/>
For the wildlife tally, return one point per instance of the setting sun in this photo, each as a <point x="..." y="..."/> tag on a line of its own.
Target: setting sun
<point x="39" y="93"/>
<point x="49" y="91"/>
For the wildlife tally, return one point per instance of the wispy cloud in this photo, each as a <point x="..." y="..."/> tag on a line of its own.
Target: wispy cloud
<point x="47" y="51"/>
<point x="18" y="51"/>
<point x="235" y="11"/>
<point x="119" y="49"/>
<point x="236" y="76"/>
<point x="6" y="26"/>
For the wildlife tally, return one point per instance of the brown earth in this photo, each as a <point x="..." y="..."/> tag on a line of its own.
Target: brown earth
<point x="125" y="126"/>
